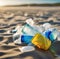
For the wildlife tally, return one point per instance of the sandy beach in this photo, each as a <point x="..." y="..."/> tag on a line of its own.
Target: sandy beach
<point x="10" y="17"/>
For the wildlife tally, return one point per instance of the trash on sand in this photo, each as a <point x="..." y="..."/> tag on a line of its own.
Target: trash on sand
<point x="27" y="49"/>
<point x="41" y="42"/>
<point x="35" y="35"/>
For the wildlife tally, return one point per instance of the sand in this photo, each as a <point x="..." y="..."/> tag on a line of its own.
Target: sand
<point x="11" y="16"/>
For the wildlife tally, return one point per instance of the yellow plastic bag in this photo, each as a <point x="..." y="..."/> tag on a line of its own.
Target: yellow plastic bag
<point x="41" y="42"/>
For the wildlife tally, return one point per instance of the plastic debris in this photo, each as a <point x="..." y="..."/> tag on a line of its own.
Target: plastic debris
<point x="33" y="35"/>
<point x="26" y="38"/>
<point x="22" y="39"/>
<point x="41" y="42"/>
<point x="27" y="49"/>
<point x="46" y="26"/>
